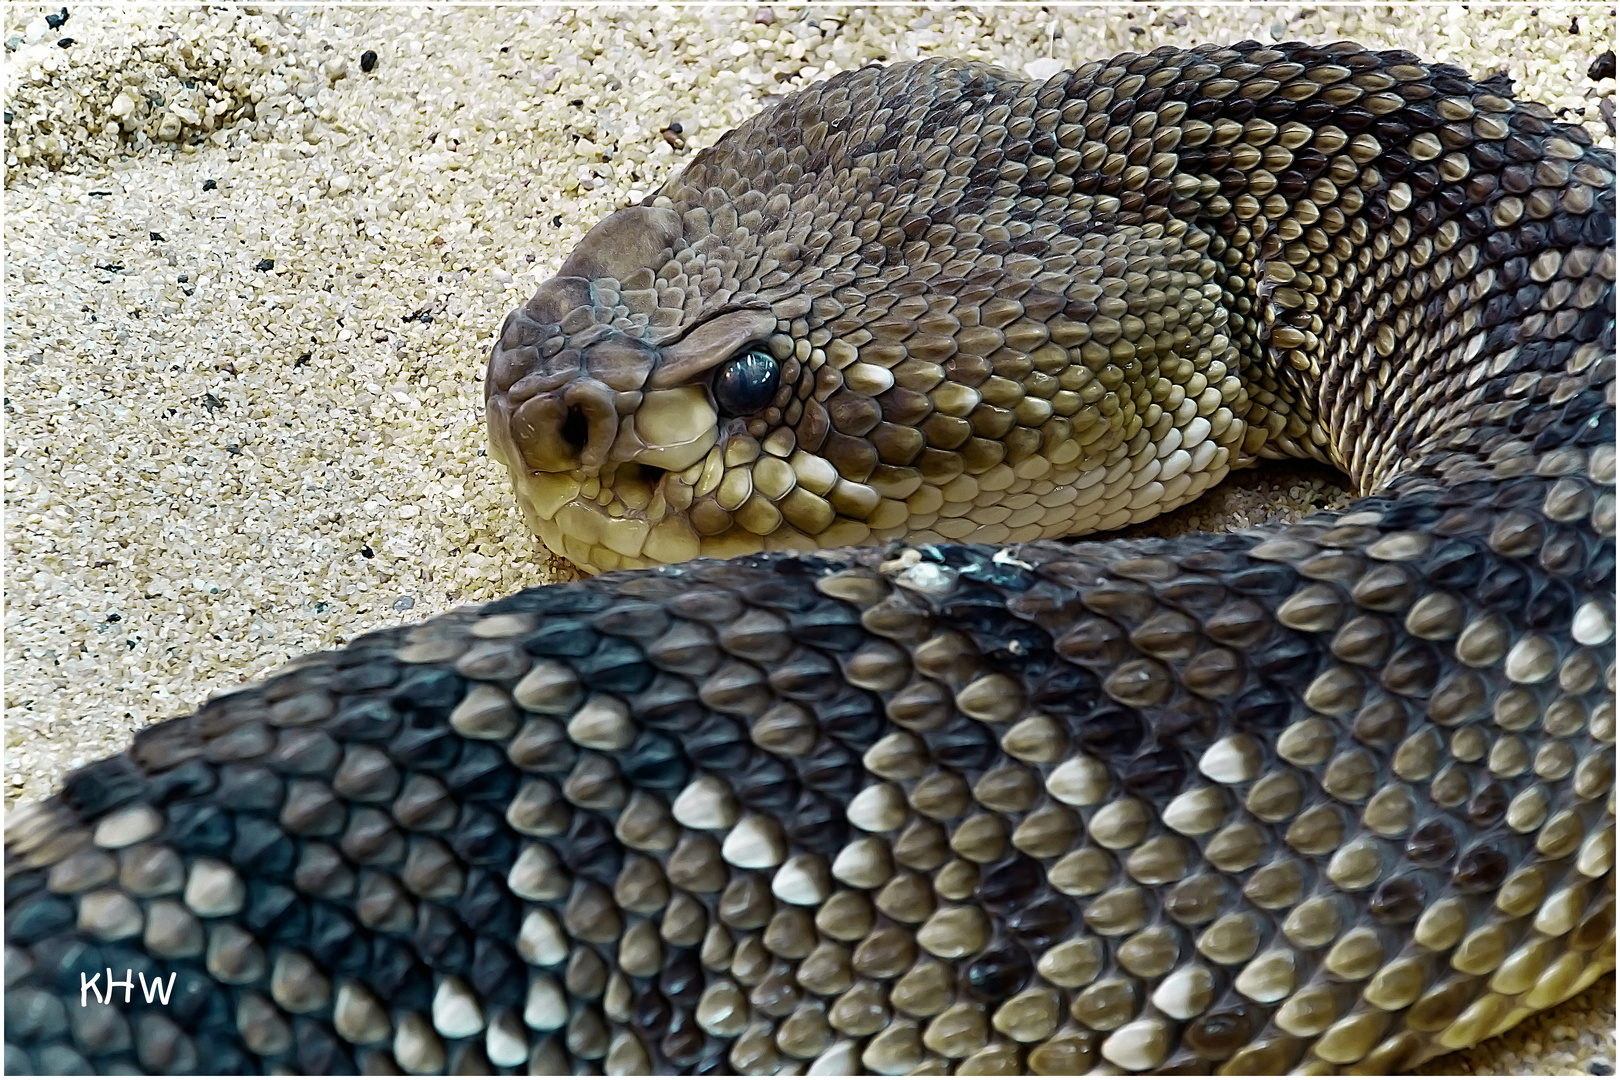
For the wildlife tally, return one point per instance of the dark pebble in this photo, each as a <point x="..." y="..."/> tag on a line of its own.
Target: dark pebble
<point x="368" y="61"/>
<point x="1602" y="67"/>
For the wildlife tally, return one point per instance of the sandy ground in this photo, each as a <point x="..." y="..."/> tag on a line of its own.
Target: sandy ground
<point x="251" y="286"/>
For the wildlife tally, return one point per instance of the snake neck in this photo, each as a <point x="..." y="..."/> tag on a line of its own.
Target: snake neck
<point x="1408" y="246"/>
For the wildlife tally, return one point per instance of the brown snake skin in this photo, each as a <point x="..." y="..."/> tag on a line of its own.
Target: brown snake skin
<point x="1332" y="796"/>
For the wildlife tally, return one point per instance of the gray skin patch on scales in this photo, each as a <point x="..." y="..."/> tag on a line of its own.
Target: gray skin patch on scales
<point x="1327" y="796"/>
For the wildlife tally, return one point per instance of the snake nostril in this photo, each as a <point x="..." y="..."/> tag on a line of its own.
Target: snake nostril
<point x="651" y="474"/>
<point x="575" y="428"/>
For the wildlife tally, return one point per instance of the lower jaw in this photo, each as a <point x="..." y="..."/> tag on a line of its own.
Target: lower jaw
<point x="583" y="531"/>
<point x="596" y="541"/>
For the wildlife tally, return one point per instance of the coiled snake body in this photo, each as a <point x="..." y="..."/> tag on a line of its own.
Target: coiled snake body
<point x="1334" y="795"/>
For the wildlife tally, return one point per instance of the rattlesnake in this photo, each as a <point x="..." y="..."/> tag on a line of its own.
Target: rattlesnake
<point x="1334" y="795"/>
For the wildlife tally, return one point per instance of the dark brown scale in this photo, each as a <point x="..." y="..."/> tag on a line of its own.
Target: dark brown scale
<point x="652" y="1012"/>
<point x="1011" y="883"/>
<point x="1431" y="844"/>
<point x="684" y="1045"/>
<point x="1481" y="869"/>
<point x="1488" y="805"/>
<point x="1041" y="923"/>
<point x="1413" y="670"/>
<point x="1595" y="927"/>
<point x="817" y="823"/>
<point x="1381" y="723"/>
<point x="831" y="769"/>
<point x="764" y="783"/>
<point x="1159" y="772"/>
<point x="1551" y="604"/>
<point x="997" y="974"/>
<point x="1288" y="660"/>
<point x="1398" y="901"/>
<point x="1109" y="731"/>
<point x="1218" y="1034"/>
<point x="961" y="744"/>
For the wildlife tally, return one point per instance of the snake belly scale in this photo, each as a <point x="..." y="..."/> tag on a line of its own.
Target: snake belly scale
<point x="1328" y="796"/>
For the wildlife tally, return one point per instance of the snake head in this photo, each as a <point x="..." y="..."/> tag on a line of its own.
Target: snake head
<point x="623" y="397"/>
<point x="914" y="301"/>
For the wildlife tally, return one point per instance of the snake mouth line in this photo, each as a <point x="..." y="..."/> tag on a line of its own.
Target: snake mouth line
<point x="633" y="515"/>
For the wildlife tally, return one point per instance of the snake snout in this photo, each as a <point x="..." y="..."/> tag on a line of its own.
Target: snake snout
<point x="556" y="392"/>
<point x="575" y="428"/>
<point x="572" y="428"/>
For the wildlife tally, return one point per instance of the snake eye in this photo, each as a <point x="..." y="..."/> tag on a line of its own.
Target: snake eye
<point x="747" y="382"/>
